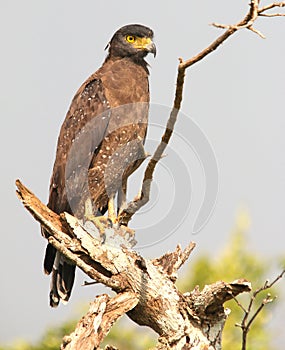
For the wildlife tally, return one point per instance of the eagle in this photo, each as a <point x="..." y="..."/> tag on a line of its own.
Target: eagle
<point x="100" y="144"/>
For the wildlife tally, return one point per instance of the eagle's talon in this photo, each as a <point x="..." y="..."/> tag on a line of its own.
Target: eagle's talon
<point x="128" y="230"/>
<point x="100" y="222"/>
<point x="103" y="238"/>
<point x="110" y="223"/>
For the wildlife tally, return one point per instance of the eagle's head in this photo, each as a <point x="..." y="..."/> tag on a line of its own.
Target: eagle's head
<point x="133" y="40"/>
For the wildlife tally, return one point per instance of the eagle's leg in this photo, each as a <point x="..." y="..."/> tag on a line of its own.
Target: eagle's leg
<point x="122" y="197"/>
<point x="111" y="209"/>
<point x="122" y="204"/>
<point x="101" y="222"/>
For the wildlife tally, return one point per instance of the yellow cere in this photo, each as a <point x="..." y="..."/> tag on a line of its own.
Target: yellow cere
<point x="138" y="42"/>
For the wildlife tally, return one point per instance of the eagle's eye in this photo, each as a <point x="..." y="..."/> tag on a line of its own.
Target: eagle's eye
<point x="130" y="38"/>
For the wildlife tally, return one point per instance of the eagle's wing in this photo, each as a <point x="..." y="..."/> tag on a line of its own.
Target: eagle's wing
<point x="85" y="126"/>
<point x="80" y="137"/>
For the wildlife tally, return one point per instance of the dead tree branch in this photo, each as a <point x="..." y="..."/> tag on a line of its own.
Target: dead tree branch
<point x="247" y="22"/>
<point x="145" y="288"/>
<point x="249" y="317"/>
<point x="270" y="7"/>
<point x="96" y="324"/>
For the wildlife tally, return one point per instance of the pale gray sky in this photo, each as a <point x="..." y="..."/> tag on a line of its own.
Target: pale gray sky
<point x="235" y="97"/>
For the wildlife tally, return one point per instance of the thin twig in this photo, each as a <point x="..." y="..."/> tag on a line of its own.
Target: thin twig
<point x="272" y="14"/>
<point x="239" y="304"/>
<point x="271" y="6"/>
<point x="258" y="32"/>
<point x="281" y="275"/>
<point x="246" y="22"/>
<point x="246" y="321"/>
<point x="265" y="301"/>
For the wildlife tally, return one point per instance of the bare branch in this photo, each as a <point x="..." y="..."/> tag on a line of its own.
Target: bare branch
<point x="271" y="6"/>
<point x="257" y="32"/>
<point x="247" y="320"/>
<point x="247" y="22"/>
<point x="281" y="275"/>
<point x="96" y="324"/>
<point x="241" y="306"/>
<point x="216" y="294"/>
<point x="265" y="301"/>
<point x="170" y="263"/>
<point x="272" y="14"/>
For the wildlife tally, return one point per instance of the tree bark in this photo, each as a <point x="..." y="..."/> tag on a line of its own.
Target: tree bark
<point x="145" y="289"/>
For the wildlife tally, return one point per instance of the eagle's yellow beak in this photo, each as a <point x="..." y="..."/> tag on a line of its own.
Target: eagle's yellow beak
<point x="145" y="44"/>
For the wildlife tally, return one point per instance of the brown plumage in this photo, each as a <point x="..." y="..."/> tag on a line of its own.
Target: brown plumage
<point x="101" y="141"/>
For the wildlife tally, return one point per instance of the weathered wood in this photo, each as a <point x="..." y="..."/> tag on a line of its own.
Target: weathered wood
<point x="146" y="289"/>
<point x="96" y="324"/>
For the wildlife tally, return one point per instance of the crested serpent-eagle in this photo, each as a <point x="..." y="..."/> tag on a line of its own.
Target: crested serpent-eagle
<point x="100" y="143"/>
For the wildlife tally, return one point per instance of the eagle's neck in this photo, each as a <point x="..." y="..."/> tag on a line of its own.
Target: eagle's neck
<point x="138" y="60"/>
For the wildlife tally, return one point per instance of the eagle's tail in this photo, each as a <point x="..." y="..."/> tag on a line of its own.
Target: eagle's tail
<point x="63" y="274"/>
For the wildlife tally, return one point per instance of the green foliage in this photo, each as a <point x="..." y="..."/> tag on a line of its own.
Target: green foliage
<point x="235" y="261"/>
<point x="51" y="340"/>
